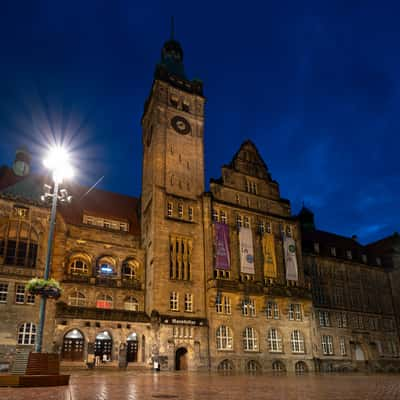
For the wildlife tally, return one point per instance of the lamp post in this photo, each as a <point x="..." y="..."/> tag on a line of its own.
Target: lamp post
<point x="57" y="162"/>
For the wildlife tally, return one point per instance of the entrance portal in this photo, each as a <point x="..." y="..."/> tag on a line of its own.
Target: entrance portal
<point x="132" y="348"/>
<point x="181" y="359"/>
<point x="103" y="346"/>
<point x="73" y="346"/>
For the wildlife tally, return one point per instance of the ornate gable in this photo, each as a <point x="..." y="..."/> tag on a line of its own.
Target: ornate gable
<point x="248" y="161"/>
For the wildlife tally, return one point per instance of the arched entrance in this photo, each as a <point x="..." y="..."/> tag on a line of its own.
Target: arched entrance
<point x="181" y="363"/>
<point x="103" y="346"/>
<point x="359" y="353"/>
<point x="73" y="344"/>
<point x="132" y="346"/>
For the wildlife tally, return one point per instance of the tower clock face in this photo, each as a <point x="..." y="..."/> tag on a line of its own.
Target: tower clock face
<point x="181" y="125"/>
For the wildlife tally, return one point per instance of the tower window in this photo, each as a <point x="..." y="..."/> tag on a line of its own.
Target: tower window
<point x="174" y="301"/>
<point x="180" y="258"/>
<point x="190" y="213"/>
<point x="180" y="210"/>
<point x="239" y="220"/>
<point x="173" y="100"/>
<point x="185" y="106"/>
<point x="169" y="209"/>
<point x="188" y="302"/>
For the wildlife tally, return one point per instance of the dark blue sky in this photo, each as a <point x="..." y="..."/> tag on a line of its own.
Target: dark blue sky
<point x="314" y="84"/>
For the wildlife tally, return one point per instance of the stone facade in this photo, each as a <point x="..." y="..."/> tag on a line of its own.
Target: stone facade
<point x="140" y="283"/>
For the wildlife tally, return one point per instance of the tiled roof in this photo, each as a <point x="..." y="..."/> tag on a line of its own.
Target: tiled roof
<point x="96" y="202"/>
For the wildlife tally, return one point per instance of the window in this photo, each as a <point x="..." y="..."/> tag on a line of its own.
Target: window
<point x="349" y="254"/>
<point x="295" y="312"/>
<point x="223" y="218"/>
<point x="251" y="187"/>
<point x="341" y="320"/>
<point x="20" y="294"/>
<point x="250" y="340"/>
<point x="278" y="366"/>
<point x="188" y="302"/>
<point x="182" y="331"/>
<point x="20" y="212"/>
<point x="324" y="318"/>
<point x="300" y="367"/>
<point x="338" y="296"/>
<point x="185" y="106"/>
<point x="364" y="258"/>
<point x="274" y="341"/>
<point x="77" y="299"/>
<point x="129" y="269"/>
<point x="378" y="261"/>
<point x="190" y="213"/>
<point x="18" y="244"/>
<point x="174" y="301"/>
<point x="106" y="266"/>
<point x="27" y="333"/>
<point x="169" y="209"/>
<point x="316" y="247"/>
<point x="224" y="338"/>
<point x="272" y="310"/>
<point x="180" y="258"/>
<point x="327" y="345"/>
<point x="225" y="365"/>
<point x="106" y="223"/>
<point x="248" y="308"/>
<point x="131" y="304"/>
<point x="333" y="251"/>
<point x="180" y="210"/>
<point x="3" y="292"/>
<point x="297" y="342"/>
<point x="246" y="222"/>
<point x="215" y="216"/>
<point x="239" y="221"/>
<point x="104" y="301"/>
<point x="342" y="345"/>
<point x="78" y="267"/>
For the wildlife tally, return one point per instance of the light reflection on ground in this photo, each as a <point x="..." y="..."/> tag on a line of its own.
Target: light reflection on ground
<point x="133" y="385"/>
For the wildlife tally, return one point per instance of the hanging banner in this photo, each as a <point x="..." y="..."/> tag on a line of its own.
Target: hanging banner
<point x="268" y="246"/>
<point x="246" y="251"/>
<point x="289" y="249"/>
<point x="222" y="255"/>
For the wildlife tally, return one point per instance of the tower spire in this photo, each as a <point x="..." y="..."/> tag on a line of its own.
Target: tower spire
<point x="172" y="27"/>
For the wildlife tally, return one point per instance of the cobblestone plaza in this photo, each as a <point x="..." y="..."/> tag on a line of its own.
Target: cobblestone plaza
<point x="132" y="385"/>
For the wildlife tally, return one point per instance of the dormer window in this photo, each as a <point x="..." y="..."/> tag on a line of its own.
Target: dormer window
<point x="333" y="251"/>
<point x="316" y="247"/>
<point x="106" y="223"/>
<point x="349" y="254"/>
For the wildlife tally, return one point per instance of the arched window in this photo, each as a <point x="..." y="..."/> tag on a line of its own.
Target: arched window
<point x="225" y="365"/>
<point x="129" y="269"/>
<point x="297" y="342"/>
<point x="27" y="333"/>
<point x="77" y="299"/>
<point x="300" y="367"/>
<point x="253" y="366"/>
<point x="224" y="338"/>
<point x="131" y="304"/>
<point x="274" y="341"/>
<point x="18" y="244"/>
<point x="250" y="339"/>
<point x="278" y="366"/>
<point x="78" y="267"/>
<point x="105" y="266"/>
<point x="104" y="301"/>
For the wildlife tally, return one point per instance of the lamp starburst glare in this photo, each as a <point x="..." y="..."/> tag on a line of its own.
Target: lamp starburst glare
<point x="57" y="161"/>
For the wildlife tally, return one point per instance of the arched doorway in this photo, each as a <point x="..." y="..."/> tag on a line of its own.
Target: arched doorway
<point x="181" y="359"/>
<point x="359" y="353"/>
<point x="73" y="344"/>
<point x="103" y="346"/>
<point x="132" y="345"/>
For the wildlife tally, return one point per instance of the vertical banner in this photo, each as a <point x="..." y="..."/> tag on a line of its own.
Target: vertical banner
<point x="246" y="251"/>
<point x="222" y="255"/>
<point x="268" y="246"/>
<point x="289" y="249"/>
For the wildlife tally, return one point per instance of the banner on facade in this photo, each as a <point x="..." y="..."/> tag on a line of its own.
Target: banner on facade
<point x="268" y="246"/>
<point x="246" y="251"/>
<point x="289" y="249"/>
<point x="222" y="255"/>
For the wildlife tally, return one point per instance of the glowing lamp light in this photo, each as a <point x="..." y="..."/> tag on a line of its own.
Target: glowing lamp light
<point x="57" y="161"/>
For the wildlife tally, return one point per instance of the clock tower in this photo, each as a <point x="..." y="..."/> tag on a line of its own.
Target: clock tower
<point x="171" y="207"/>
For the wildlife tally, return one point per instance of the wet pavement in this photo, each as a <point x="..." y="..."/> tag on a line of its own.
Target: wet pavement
<point x="132" y="385"/>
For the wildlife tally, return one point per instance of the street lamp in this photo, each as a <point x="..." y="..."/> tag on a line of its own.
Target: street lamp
<point x="57" y="161"/>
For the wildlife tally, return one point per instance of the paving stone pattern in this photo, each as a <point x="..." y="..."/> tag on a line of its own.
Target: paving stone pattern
<point x="130" y="385"/>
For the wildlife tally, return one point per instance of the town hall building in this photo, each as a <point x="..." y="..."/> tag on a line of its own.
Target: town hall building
<point x="193" y="276"/>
